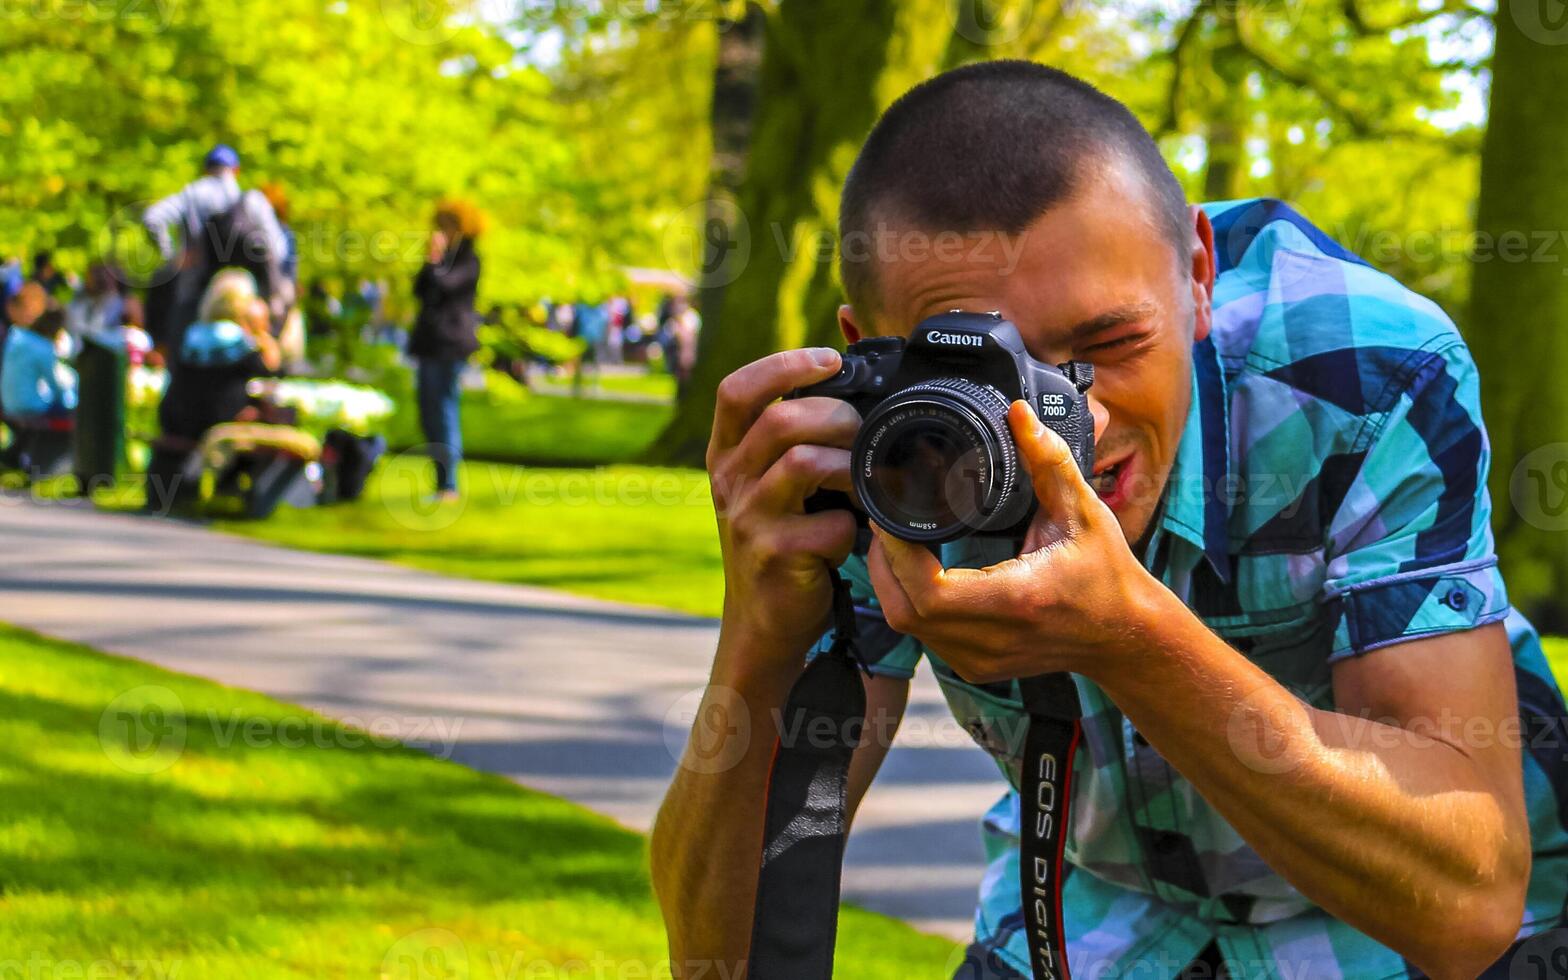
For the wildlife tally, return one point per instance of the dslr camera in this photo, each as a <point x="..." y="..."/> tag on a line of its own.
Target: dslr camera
<point x="934" y="460"/>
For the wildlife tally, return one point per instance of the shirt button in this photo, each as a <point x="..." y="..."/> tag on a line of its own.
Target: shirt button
<point x="1457" y="599"/>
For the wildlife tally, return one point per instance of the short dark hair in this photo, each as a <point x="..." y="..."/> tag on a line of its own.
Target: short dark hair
<point x="991" y="147"/>
<point x="49" y="323"/>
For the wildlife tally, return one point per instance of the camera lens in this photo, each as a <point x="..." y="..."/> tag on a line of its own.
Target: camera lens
<point x="936" y="462"/>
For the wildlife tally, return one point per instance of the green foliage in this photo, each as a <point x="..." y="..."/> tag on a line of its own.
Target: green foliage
<point x="515" y="337"/>
<point x="365" y="113"/>
<point x="160" y="825"/>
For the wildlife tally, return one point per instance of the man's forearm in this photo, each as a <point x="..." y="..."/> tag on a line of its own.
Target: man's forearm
<point x="707" y="840"/>
<point x="1401" y="837"/>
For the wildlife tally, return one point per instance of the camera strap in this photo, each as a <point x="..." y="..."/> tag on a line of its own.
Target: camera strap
<point x="796" y="916"/>
<point x="806" y="822"/>
<point x="1045" y="800"/>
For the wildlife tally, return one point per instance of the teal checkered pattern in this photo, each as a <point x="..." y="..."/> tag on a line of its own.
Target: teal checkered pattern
<point x="1328" y="498"/>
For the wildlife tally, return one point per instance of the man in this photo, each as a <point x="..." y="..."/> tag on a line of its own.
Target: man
<point x="1301" y="680"/>
<point x="221" y="225"/>
<point x="99" y="309"/>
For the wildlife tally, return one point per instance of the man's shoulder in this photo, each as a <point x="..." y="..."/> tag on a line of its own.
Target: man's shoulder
<point x="1292" y="305"/>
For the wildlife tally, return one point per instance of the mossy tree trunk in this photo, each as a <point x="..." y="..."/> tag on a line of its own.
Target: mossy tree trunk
<point x="1518" y="323"/>
<point x="828" y="68"/>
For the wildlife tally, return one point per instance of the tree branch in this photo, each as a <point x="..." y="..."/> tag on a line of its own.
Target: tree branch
<point x="1363" y="27"/>
<point x="1189" y="29"/>
<point x="1362" y="126"/>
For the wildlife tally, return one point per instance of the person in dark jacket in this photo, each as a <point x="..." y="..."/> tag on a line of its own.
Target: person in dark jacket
<point x="444" y="334"/>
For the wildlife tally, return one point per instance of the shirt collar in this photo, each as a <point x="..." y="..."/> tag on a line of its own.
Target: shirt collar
<point x="1195" y="508"/>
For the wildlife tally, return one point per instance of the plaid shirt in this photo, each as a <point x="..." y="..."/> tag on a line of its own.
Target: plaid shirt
<point x="1328" y="498"/>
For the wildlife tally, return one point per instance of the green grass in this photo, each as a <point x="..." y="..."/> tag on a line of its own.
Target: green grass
<point x="634" y="534"/>
<point x="641" y="384"/>
<point x="159" y="825"/>
<point x="1556" y="648"/>
<point x="548" y="429"/>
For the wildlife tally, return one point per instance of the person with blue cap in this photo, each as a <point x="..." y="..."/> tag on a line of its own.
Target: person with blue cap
<point x="211" y="210"/>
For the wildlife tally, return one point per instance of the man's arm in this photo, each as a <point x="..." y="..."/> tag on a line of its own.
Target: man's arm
<point x="160" y="215"/>
<point x="765" y="458"/>
<point x="1408" y="823"/>
<point x="1421" y="842"/>
<point x="707" y="842"/>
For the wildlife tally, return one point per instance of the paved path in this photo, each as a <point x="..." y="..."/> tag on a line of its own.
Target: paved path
<point x="573" y="696"/>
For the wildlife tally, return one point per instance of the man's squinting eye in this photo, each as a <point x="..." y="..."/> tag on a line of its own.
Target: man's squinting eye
<point x="1117" y="344"/>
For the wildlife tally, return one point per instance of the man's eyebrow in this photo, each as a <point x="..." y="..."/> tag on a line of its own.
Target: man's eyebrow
<point x="1130" y="313"/>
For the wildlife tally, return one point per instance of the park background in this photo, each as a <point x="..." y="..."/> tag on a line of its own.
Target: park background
<point x="705" y="139"/>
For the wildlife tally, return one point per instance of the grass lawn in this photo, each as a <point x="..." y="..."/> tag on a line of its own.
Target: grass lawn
<point x="1557" y="655"/>
<point x="649" y="385"/>
<point x="636" y="534"/>
<point x="545" y="429"/>
<point x="158" y="825"/>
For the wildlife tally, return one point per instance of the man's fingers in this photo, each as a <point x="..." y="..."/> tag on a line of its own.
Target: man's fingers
<point x="803" y="421"/>
<point x="1058" y="484"/>
<point x="829" y="535"/>
<point x="744" y="394"/>
<point x="918" y="571"/>
<point x="897" y="609"/>
<point x="800" y="471"/>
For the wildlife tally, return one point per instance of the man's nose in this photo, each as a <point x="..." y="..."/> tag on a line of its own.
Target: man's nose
<point x="1102" y="416"/>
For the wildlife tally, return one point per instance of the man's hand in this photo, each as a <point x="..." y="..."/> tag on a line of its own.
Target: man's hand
<point x="1070" y="600"/>
<point x="765" y="458"/>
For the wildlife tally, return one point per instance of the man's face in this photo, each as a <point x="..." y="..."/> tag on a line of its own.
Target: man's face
<point x="1093" y="279"/>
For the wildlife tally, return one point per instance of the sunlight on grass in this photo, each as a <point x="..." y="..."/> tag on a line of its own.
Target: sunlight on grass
<point x="197" y="836"/>
<point x="634" y="534"/>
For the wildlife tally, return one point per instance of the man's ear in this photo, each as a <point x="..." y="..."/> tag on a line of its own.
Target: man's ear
<point x="847" y="325"/>
<point x="1201" y="273"/>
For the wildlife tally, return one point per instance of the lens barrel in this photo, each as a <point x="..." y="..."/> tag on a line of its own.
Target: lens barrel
<point x="936" y="462"/>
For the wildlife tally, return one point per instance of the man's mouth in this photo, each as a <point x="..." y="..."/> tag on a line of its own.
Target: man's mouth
<point x="1110" y="480"/>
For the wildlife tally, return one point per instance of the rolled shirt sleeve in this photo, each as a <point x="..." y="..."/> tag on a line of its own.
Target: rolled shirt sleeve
<point x="1410" y="550"/>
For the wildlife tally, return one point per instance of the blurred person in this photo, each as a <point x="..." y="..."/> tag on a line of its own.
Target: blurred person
<point x="221" y="225"/>
<point x="620" y="312"/>
<point x="678" y="337"/>
<point x="444" y="334"/>
<point x="11" y="278"/>
<point x="56" y="283"/>
<point x="99" y="308"/>
<point x="23" y="307"/>
<point x="35" y="382"/>
<point x="289" y="320"/>
<point x="591" y="326"/>
<point x="228" y="345"/>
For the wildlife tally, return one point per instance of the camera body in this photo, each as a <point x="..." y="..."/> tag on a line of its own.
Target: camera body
<point x="934" y="460"/>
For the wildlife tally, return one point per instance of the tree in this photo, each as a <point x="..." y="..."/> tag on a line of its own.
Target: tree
<point x="365" y="112"/>
<point x="828" y="68"/>
<point x="1518" y="324"/>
